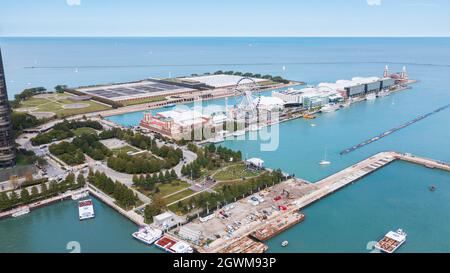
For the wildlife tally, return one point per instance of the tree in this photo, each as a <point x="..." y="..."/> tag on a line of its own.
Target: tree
<point x="34" y="192"/>
<point x="25" y="196"/>
<point x="60" y="88"/>
<point x="156" y="207"/>
<point x="81" y="181"/>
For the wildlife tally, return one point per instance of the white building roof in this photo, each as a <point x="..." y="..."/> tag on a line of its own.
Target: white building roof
<point x="269" y="101"/>
<point x="184" y="117"/>
<point x="221" y="80"/>
<point x="256" y="161"/>
<point x="163" y="216"/>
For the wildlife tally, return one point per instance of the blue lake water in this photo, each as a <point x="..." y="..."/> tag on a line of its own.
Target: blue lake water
<point x="396" y="196"/>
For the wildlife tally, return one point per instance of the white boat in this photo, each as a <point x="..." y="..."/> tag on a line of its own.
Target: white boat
<point x="330" y="108"/>
<point x="371" y="96"/>
<point x="21" y="211"/>
<point x="148" y="235"/>
<point x="86" y="209"/>
<point x="81" y="195"/>
<point x="392" y="241"/>
<point x="285" y="244"/>
<point x="383" y="94"/>
<point x="239" y="133"/>
<point x="325" y="162"/>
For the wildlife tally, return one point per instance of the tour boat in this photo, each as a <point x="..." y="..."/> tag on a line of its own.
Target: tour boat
<point x="147" y="235"/>
<point x="392" y="241"/>
<point x="21" y="211"/>
<point x="86" y="209"/>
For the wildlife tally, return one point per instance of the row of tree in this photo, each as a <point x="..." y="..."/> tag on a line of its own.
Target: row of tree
<point x="251" y="75"/>
<point x="124" y="196"/>
<point x="231" y="192"/>
<point x="148" y="181"/>
<point x="33" y="194"/>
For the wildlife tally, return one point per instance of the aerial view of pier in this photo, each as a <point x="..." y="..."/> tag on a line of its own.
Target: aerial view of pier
<point x="191" y="132"/>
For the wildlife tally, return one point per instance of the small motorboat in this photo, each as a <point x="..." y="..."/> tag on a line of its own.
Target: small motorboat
<point x="284" y="243"/>
<point x="432" y="188"/>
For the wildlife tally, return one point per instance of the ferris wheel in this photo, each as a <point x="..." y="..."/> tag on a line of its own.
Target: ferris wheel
<point x="244" y="92"/>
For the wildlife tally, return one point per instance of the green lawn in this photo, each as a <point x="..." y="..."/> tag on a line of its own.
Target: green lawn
<point x="146" y="100"/>
<point x="234" y="172"/>
<point x="124" y="149"/>
<point x="178" y="196"/>
<point x="166" y="189"/>
<point x="84" y="130"/>
<point x="56" y="104"/>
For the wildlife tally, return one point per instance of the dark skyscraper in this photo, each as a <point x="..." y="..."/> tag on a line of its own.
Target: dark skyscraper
<point x="7" y="153"/>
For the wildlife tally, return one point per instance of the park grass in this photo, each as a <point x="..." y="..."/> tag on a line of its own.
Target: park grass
<point x="124" y="149"/>
<point x="234" y="172"/>
<point x="169" y="188"/>
<point x="84" y="130"/>
<point x="178" y="196"/>
<point x="141" y="101"/>
<point x="55" y="105"/>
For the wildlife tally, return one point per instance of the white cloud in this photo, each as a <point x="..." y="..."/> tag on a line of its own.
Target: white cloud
<point x="374" y="2"/>
<point x="73" y="2"/>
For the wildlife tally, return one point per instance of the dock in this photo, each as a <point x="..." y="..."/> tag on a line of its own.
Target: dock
<point x="393" y="130"/>
<point x="43" y="203"/>
<point x="244" y="245"/>
<point x="272" y="229"/>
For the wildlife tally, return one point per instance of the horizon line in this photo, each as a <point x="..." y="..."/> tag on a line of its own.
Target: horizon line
<point x="224" y="36"/>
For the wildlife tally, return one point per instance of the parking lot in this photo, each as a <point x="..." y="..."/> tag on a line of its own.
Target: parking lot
<point x="239" y="218"/>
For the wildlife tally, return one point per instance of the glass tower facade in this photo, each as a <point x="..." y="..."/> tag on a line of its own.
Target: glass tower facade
<point x="7" y="152"/>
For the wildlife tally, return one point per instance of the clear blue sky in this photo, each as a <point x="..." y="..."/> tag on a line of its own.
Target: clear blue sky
<point x="224" y="18"/>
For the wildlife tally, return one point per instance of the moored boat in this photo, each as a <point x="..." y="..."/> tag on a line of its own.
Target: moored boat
<point x="85" y="209"/>
<point x="391" y="241"/>
<point x="148" y="235"/>
<point x="21" y="211"/>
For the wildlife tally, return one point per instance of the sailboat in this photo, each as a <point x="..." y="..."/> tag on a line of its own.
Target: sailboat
<point x="325" y="161"/>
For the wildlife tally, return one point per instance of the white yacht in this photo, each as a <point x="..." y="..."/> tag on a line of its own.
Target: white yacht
<point x="148" y="235"/>
<point x="21" y="211"/>
<point x="328" y="108"/>
<point x="325" y="162"/>
<point x="392" y="241"/>
<point x="371" y="96"/>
